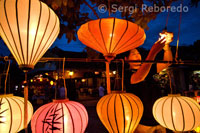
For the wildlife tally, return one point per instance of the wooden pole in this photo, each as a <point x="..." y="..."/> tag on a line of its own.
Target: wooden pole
<point x="108" y="77"/>
<point x="26" y="103"/>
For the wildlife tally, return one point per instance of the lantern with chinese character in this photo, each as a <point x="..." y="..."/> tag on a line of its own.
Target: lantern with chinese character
<point x="60" y="116"/>
<point x="177" y="113"/>
<point x="120" y="112"/>
<point x="11" y="113"/>
<point x="111" y="36"/>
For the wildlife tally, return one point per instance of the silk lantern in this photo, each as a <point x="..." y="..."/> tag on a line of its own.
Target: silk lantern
<point x="120" y="112"/>
<point x="60" y="116"/>
<point x="28" y="27"/>
<point x="177" y="113"/>
<point x="11" y="113"/>
<point x="111" y="36"/>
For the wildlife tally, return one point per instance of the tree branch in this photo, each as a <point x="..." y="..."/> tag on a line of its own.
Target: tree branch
<point x="95" y="13"/>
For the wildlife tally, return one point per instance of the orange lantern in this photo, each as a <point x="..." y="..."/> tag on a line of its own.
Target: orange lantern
<point x="177" y="113"/>
<point x="28" y="27"/>
<point x="60" y="116"/>
<point x="11" y="113"/>
<point x="120" y="112"/>
<point x="111" y="36"/>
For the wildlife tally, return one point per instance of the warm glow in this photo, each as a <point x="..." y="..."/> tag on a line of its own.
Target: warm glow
<point x="46" y="74"/>
<point x="177" y="113"/>
<point x="83" y="80"/>
<point x="31" y="80"/>
<point x="63" y="115"/>
<point x="12" y="113"/>
<point x="96" y="73"/>
<point x="114" y="72"/>
<point x="41" y="79"/>
<point x="118" y="108"/>
<point x="197" y="130"/>
<point x="71" y="73"/>
<point x="111" y="36"/>
<point x="167" y="35"/>
<point x="28" y="30"/>
<point x="51" y="82"/>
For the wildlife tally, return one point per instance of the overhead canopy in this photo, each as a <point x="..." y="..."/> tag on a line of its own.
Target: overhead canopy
<point x="111" y="36"/>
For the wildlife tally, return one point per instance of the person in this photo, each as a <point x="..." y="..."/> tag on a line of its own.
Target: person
<point x="101" y="90"/>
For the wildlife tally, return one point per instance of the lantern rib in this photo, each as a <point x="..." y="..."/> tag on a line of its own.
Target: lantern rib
<point x="172" y="114"/>
<point x="79" y="115"/>
<point x="28" y="27"/>
<point x="11" y="31"/>
<point x="12" y="50"/>
<point x="48" y="46"/>
<point x="115" y="113"/>
<point x="112" y="35"/>
<point x="11" y="119"/>
<point x="82" y="110"/>
<point x="63" y="118"/>
<point x="42" y="35"/>
<point x="123" y="112"/>
<point x="191" y="110"/>
<point x="102" y="35"/>
<point x="121" y="37"/>
<point x="44" y="119"/>
<point x="36" y="32"/>
<point x="163" y="113"/>
<point x="130" y="44"/>
<point x="182" y="112"/>
<point x="130" y="38"/>
<point x="71" y="117"/>
<point x="47" y="39"/>
<point x="20" y="41"/>
<point x="20" y="112"/>
<point x="108" y="115"/>
<point x="138" y="111"/>
<point x="94" y="37"/>
<point x="131" y="111"/>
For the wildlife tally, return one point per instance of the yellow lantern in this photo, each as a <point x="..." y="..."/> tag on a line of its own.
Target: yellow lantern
<point x="120" y="112"/>
<point x="28" y="27"/>
<point x="11" y="113"/>
<point x="177" y="113"/>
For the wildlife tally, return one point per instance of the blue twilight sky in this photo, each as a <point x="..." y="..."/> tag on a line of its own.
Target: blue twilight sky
<point x="190" y="27"/>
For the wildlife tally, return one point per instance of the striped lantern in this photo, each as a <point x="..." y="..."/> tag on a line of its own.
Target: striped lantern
<point x="120" y="112"/>
<point x="28" y="27"/>
<point x="60" y="116"/>
<point x="177" y="113"/>
<point x="11" y="113"/>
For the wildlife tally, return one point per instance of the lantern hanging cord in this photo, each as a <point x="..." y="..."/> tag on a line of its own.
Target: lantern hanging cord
<point x="167" y="20"/>
<point x="122" y="74"/>
<point x="109" y="7"/>
<point x="6" y="59"/>
<point x="179" y="29"/>
<point x="64" y="78"/>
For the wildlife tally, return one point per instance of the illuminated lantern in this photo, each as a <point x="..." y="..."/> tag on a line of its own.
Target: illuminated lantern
<point x="28" y="27"/>
<point x="60" y="116"/>
<point x="111" y="36"/>
<point x="11" y="113"/>
<point x="177" y="113"/>
<point x="120" y="112"/>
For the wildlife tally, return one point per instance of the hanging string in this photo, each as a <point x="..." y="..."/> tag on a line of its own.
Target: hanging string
<point x="179" y="29"/>
<point x="6" y="59"/>
<point x="109" y="7"/>
<point x="167" y="20"/>
<point x="122" y="74"/>
<point x="64" y="78"/>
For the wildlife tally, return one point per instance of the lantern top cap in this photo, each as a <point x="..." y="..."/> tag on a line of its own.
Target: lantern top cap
<point x="60" y="100"/>
<point x="6" y="95"/>
<point x="173" y="95"/>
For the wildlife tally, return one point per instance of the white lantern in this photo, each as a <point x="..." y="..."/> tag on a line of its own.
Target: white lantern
<point x="28" y="27"/>
<point x="11" y="113"/>
<point x="177" y="113"/>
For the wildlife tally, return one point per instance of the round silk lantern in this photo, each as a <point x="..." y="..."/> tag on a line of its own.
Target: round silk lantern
<point x="120" y="112"/>
<point x="60" y="116"/>
<point x="177" y="113"/>
<point x="28" y="27"/>
<point x="11" y="113"/>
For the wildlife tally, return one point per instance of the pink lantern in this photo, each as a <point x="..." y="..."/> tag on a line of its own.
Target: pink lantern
<point x="60" y="116"/>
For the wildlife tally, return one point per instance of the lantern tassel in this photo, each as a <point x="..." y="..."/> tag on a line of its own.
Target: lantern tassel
<point x="108" y="77"/>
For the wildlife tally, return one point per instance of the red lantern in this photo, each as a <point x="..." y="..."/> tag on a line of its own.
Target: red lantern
<point x="60" y="116"/>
